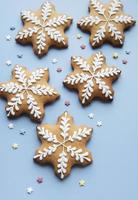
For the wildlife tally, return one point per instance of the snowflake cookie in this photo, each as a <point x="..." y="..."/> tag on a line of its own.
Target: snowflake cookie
<point x="106" y="23"/>
<point x="44" y="28"/>
<point x="27" y="93"/>
<point x="63" y="145"/>
<point x="92" y="78"/>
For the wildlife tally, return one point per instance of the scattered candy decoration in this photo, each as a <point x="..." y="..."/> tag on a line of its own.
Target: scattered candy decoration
<point x="15" y="146"/>
<point x="8" y="37"/>
<point x="19" y="55"/>
<point x="82" y="183"/>
<point x="91" y="115"/>
<point x="124" y="61"/>
<point x="128" y="52"/>
<point x="115" y="55"/>
<point x="39" y="180"/>
<point x="22" y="131"/>
<point x="8" y="62"/>
<point x="54" y="61"/>
<point x="78" y="36"/>
<point x="83" y="46"/>
<point x="29" y="190"/>
<point x="59" y="69"/>
<point x="67" y="103"/>
<point x="10" y="125"/>
<point x="99" y="123"/>
<point x="12" y="28"/>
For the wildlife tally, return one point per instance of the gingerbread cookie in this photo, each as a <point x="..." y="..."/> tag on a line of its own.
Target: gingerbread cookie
<point x="63" y="145"/>
<point x="92" y="78"/>
<point x="106" y="23"/>
<point x="28" y="93"/>
<point x="44" y="28"/>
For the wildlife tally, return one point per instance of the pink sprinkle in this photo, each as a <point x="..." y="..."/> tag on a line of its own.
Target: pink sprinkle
<point x="59" y="69"/>
<point x="39" y="179"/>
<point x="83" y="46"/>
<point x="124" y="61"/>
<point x="67" y="103"/>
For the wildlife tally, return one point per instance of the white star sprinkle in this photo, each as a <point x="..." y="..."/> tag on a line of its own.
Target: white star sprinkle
<point x="10" y="125"/>
<point x="8" y="62"/>
<point x="8" y="37"/>
<point x="15" y="146"/>
<point x="82" y="183"/>
<point x="99" y="123"/>
<point x="54" y="61"/>
<point x="29" y="190"/>
<point x="91" y="115"/>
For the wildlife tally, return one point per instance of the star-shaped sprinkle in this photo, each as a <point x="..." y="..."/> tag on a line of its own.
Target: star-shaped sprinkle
<point x="78" y="36"/>
<point x="67" y="103"/>
<point x="59" y="69"/>
<point x="19" y="55"/>
<point x="115" y="55"/>
<point x="29" y="190"/>
<point x="54" y="61"/>
<point x="22" y="132"/>
<point x="8" y="62"/>
<point x="12" y="28"/>
<point x="15" y="146"/>
<point x="28" y="92"/>
<point x="8" y="37"/>
<point x="10" y="125"/>
<point x="82" y="182"/>
<point x="99" y="123"/>
<point x="92" y="78"/>
<point x="39" y="180"/>
<point x="106" y="23"/>
<point x="63" y="145"/>
<point x="83" y="46"/>
<point x="124" y="61"/>
<point x="44" y="28"/>
<point x="91" y="115"/>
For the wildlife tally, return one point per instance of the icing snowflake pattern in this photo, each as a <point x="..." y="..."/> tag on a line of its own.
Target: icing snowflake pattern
<point x="65" y="144"/>
<point x="45" y="29"/>
<point x="92" y="76"/>
<point x="109" y="22"/>
<point x="27" y="89"/>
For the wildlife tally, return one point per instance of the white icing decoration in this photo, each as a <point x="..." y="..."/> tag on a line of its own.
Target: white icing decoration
<point x="67" y="150"/>
<point x="90" y="74"/>
<point x="24" y="89"/>
<point x="44" y="26"/>
<point x="106" y="21"/>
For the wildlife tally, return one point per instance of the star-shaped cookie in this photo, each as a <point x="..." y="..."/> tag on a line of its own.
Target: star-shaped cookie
<point x="106" y="23"/>
<point x="92" y="78"/>
<point x="63" y="145"/>
<point x="44" y="28"/>
<point x="27" y="93"/>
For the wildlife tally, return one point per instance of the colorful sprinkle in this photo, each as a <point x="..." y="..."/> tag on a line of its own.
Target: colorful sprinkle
<point x="128" y="52"/>
<point x="59" y="69"/>
<point x="78" y="36"/>
<point x="124" y="61"/>
<point x="22" y="131"/>
<point x="91" y="115"/>
<point x="19" y="55"/>
<point x="115" y="55"/>
<point x="67" y="103"/>
<point x="8" y="62"/>
<point x="10" y="125"/>
<point x="15" y="146"/>
<point x="99" y="123"/>
<point x="29" y="190"/>
<point x="12" y="28"/>
<point x="83" y="46"/>
<point x="82" y="183"/>
<point x="39" y="180"/>
<point x="54" y="61"/>
<point x="8" y="37"/>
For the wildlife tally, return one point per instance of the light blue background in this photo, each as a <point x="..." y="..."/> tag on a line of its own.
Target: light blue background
<point x="114" y="173"/>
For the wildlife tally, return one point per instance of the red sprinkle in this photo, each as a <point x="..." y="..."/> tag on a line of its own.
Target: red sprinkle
<point x="83" y="46"/>
<point x="59" y="69"/>
<point x="124" y="61"/>
<point x="67" y="103"/>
